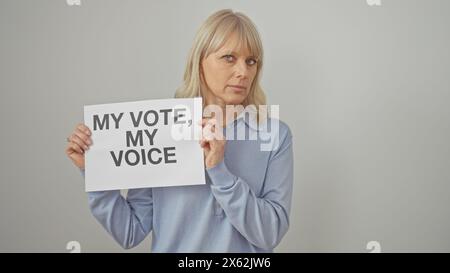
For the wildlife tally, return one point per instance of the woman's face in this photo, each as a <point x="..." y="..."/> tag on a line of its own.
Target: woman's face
<point x="228" y="74"/>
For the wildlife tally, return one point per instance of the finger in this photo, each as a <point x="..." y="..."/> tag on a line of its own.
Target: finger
<point x="203" y="143"/>
<point x="85" y="138"/>
<point x="77" y="148"/>
<point x="84" y="129"/>
<point x="80" y="138"/>
<point x="207" y="133"/>
<point x="212" y="132"/>
<point x="213" y="123"/>
<point x="73" y="147"/>
<point x="204" y="121"/>
<point x="210" y="124"/>
<point x="76" y="139"/>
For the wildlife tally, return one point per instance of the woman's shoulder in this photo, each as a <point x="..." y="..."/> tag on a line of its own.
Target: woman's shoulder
<point x="277" y="125"/>
<point x="276" y="134"/>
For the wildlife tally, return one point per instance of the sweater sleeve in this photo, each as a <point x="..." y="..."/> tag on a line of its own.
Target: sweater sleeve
<point x="262" y="220"/>
<point x="128" y="220"/>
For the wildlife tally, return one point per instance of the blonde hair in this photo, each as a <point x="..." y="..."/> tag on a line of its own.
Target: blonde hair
<point x="211" y="36"/>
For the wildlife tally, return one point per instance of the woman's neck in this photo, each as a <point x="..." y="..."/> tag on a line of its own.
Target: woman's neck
<point x="227" y="116"/>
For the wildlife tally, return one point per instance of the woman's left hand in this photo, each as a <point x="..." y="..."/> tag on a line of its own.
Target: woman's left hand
<point x="212" y="142"/>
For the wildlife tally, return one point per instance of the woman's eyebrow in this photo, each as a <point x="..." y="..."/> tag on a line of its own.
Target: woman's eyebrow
<point x="231" y="52"/>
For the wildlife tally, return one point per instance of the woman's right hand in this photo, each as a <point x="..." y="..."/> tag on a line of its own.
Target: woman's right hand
<point x="77" y="143"/>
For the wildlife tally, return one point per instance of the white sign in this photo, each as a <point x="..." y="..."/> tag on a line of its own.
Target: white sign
<point x="141" y="144"/>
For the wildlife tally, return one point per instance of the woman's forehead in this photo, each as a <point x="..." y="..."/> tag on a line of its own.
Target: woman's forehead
<point x="236" y="43"/>
<point x="236" y="48"/>
<point x="236" y="51"/>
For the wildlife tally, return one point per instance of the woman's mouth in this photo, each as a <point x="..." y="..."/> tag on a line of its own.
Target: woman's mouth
<point x="238" y="88"/>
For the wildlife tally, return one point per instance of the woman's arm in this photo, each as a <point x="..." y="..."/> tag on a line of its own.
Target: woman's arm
<point x="127" y="220"/>
<point x="262" y="220"/>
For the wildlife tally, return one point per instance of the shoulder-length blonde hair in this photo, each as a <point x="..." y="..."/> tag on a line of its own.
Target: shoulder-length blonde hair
<point x="211" y="36"/>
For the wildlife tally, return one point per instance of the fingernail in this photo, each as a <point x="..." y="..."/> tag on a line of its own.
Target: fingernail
<point x="88" y="133"/>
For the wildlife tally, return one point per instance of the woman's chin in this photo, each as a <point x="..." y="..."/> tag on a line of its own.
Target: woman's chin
<point x="235" y="99"/>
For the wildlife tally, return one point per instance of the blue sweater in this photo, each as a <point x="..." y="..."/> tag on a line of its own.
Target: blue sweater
<point x="243" y="207"/>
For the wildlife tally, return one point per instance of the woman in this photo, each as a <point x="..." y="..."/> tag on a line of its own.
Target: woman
<point x="245" y="204"/>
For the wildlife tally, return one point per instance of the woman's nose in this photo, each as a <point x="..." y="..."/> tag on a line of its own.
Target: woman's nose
<point x="241" y="69"/>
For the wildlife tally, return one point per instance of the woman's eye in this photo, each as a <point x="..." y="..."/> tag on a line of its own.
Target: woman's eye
<point x="251" y="61"/>
<point x="228" y="58"/>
